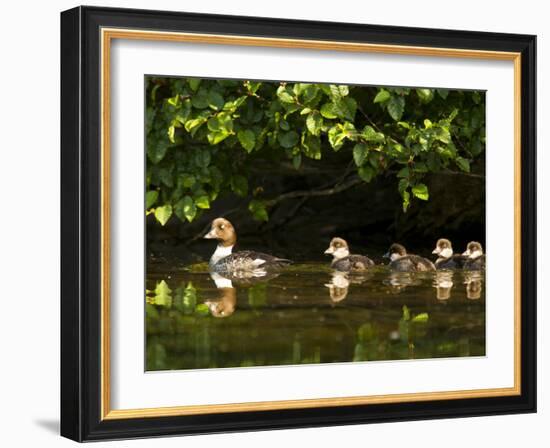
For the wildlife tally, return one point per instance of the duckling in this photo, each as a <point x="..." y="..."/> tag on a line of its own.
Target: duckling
<point x="343" y="261"/>
<point x="475" y="259"/>
<point x="403" y="262"/>
<point x="446" y="259"/>
<point x="248" y="262"/>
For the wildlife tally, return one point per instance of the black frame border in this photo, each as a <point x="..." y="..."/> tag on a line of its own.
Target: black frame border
<point x="81" y="223"/>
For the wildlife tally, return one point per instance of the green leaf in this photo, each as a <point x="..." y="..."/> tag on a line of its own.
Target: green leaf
<point x="370" y="135"/>
<point x="187" y="180"/>
<point x="253" y="87"/>
<point x="239" y="185"/>
<point x="202" y="158"/>
<point x="463" y="164"/>
<point x="421" y="191"/>
<point x="288" y="139"/>
<point x="150" y="198"/>
<point x="215" y="100"/>
<point x="338" y="133"/>
<point x="202" y="202"/>
<point x="366" y="173"/>
<point x="382" y="96"/>
<point x="422" y="317"/>
<point x="328" y="111"/>
<point x="402" y="186"/>
<point x="396" y="107"/>
<point x="345" y="108"/>
<point x="194" y="124"/>
<point x="163" y="213"/>
<point x="156" y="152"/>
<point x="406" y="200"/>
<point x="185" y="209"/>
<point x="247" y="138"/>
<point x="312" y="146"/>
<point x="194" y="83"/>
<point x="284" y="95"/>
<point x="163" y="294"/>
<point x="360" y="153"/>
<point x="297" y="161"/>
<point x="200" y="99"/>
<point x="220" y="127"/>
<point x="443" y="93"/>
<point x="425" y="95"/>
<point x="442" y="134"/>
<point x="406" y="313"/>
<point x="403" y="172"/>
<point x="258" y="210"/>
<point x="314" y="122"/>
<point x="337" y="92"/>
<point x="202" y="309"/>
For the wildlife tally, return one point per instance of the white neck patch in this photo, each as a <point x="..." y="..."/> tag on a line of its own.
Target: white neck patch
<point x="220" y="252"/>
<point x="341" y="252"/>
<point x="446" y="253"/>
<point x="395" y="256"/>
<point x="221" y="282"/>
<point x="476" y="254"/>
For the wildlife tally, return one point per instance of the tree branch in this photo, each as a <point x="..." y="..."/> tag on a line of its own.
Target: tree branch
<point x="313" y="193"/>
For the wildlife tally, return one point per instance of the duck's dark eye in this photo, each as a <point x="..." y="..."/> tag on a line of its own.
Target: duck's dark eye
<point x="221" y="227"/>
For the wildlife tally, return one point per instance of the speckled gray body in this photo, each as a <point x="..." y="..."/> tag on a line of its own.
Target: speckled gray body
<point x="352" y="263"/>
<point x="247" y="261"/>
<point x="412" y="263"/>
<point x="475" y="264"/>
<point x="453" y="262"/>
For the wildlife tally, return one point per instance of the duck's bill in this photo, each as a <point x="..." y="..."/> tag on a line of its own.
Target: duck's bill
<point x="436" y="251"/>
<point x="329" y="251"/>
<point x="210" y="235"/>
<point x="386" y="255"/>
<point x="466" y="253"/>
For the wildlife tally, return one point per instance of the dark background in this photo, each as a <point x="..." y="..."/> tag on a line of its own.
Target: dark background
<point x="368" y="216"/>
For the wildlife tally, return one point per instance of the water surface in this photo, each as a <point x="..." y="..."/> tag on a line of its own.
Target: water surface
<point x="310" y="314"/>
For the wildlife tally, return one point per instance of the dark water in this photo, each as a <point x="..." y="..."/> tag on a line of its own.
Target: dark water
<point x="309" y="314"/>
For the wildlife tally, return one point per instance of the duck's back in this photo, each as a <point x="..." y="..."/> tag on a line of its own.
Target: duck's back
<point x="248" y="260"/>
<point x="352" y="263"/>
<point x="412" y="263"/>
<point x="455" y="262"/>
<point x="477" y="264"/>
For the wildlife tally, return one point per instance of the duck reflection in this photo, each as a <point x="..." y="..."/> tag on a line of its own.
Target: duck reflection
<point x="398" y="281"/>
<point x="225" y="304"/>
<point x="340" y="281"/>
<point x="474" y="284"/>
<point x="443" y="283"/>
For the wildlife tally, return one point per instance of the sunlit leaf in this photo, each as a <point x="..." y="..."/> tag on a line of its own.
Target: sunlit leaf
<point x="247" y="138"/>
<point x="151" y="198"/>
<point x="185" y="209"/>
<point x="420" y="191"/>
<point x="382" y="96"/>
<point x="163" y="213"/>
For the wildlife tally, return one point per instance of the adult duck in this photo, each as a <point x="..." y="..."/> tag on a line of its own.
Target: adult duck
<point x="224" y="261"/>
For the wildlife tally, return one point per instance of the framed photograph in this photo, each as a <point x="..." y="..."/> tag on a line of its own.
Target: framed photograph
<point x="276" y="224"/>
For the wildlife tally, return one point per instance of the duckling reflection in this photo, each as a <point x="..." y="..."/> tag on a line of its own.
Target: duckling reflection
<point x="226" y="303"/>
<point x="340" y="281"/>
<point x="397" y="281"/>
<point x="474" y="285"/>
<point x="443" y="283"/>
<point x="338" y="286"/>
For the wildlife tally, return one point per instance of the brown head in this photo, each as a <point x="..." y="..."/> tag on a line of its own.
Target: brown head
<point x="223" y="231"/>
<point x="395" y="251"/>
<point x="473" y="250"/>
<point x="443" y="248"/>
<point x="338" y="248"/>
